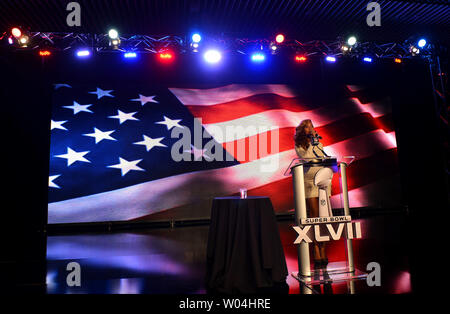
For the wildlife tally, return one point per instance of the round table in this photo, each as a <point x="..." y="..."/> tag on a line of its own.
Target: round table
<point x="244" y="253"/>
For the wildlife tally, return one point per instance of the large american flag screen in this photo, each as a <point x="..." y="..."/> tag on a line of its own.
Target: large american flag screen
<point x="124" y="153"/>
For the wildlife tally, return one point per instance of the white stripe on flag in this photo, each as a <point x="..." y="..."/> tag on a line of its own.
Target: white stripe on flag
<point x="224" y="94"/>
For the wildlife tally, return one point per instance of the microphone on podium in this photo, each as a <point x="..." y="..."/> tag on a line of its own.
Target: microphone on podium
<point x="315" y="137"/>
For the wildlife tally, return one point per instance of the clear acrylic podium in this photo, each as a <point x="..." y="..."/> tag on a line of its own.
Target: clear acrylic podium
<point x="337" y="271"/>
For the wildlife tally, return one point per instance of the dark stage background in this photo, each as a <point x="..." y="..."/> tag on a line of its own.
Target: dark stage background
<point x="27" y="97"/>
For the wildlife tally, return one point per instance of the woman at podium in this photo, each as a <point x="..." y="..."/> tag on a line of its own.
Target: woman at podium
<point x="307" y="145"/>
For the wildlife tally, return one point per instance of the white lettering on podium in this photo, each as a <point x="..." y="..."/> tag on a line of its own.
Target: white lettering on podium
<point x="349" y="230"/>
<point x="320" y="238"/>
<point x="306" y="233"/>
<point x="302" y="234"/>
<point x="335" y="235"/>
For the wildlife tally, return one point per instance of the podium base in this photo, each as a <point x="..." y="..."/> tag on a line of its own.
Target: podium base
<point x="334" y="272"/>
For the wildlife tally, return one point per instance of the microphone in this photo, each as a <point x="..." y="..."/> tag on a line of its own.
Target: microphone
<point x="314" y="138"/>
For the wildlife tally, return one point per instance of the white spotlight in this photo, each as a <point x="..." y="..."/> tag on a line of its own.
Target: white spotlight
<point x="113" y="34"/>
<point x="421" y="43"/>
<point x="212" y="56"/>
<point x="196" y="38"/>
<point x="351" y="41"/>
<point x="23" y="40"/>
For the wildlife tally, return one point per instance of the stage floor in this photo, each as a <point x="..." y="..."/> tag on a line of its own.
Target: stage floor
<point x="173" y="261"/>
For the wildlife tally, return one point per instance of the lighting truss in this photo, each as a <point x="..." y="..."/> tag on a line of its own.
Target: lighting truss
<point x="152" y="44"/>
<point x="100" y="43"/>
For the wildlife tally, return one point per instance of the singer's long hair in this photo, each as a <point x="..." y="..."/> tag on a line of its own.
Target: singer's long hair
<point x="300" y="137"/>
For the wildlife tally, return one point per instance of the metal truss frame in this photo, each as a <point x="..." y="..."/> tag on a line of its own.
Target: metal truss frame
<point x="150" y="44"/>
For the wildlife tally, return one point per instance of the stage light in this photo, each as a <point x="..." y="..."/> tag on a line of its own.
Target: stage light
<point x="258" y="57"/>
<point x="130" y="55"/>
<point x="16" y="32"/>
<point x="196" y="38"/>
<point x="330" y="59"/>
<point x="114" y="39"/>
<point x="166" y="56"/>
<point x="421" y="43"/>
<point x="345" y="48"/>
<point x="83" y="53"/>
<point x="398" y="60"/>
<point x="113" y="34"/>
<point x="115" y="43"/>
<point x="280" y="38"/>
<point x="10" y="40"/>
<point x="44" y="53"/>
<point x="367" y="59"/>
<point x="414" y="50"/>
<point x="351" y="40"/>
<point x="23" y="40"/>
<point x="273" y="48"/>
<point x="212" y="56"/>
<point x="194" y="47"/>
<point x="299" y="58"/>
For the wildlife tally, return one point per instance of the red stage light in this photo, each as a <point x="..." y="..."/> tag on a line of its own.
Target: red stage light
<point x="16" y="32"/>
<point x="398" y="60"/>
<point x="300" y="58"/>
<point x="166" y="56"/>
<point x="44" y="53"/>
<point x="280" y="38"/>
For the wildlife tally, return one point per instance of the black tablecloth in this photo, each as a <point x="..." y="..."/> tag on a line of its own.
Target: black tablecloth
<point x="244" y="253"/>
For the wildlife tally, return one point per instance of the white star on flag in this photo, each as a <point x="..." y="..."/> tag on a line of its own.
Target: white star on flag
<point x="78" y="108"/>
<point x="73" y="156"/>
<point x="57" y="125"/>
<point x="151" y="142"/>
<point x="123" y="116"/>
<point x="145" y="99"/>
<point x="100" y="135"/>
<point x="57" y="86"/>
<point x="102" y="93"/>
<point x="125" y="166"/>
<point x="170" y="123"/>
<point x="52" y="184"/>
<point x="198" y="153"/>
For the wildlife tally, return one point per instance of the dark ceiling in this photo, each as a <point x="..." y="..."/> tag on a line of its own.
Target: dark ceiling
<point x="302" y="19"/>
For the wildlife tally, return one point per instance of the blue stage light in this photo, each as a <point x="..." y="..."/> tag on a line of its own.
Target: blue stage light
<point x="421" y="43"/>
<point x="330" y="59"/>
<point x="367" y="59"/>
<point x="212" y="56"/>
<point x="258" y="57"/>
<point x="130" y="55"/>
<point x="196" y="38"/>
<point x="83" y="53"/>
